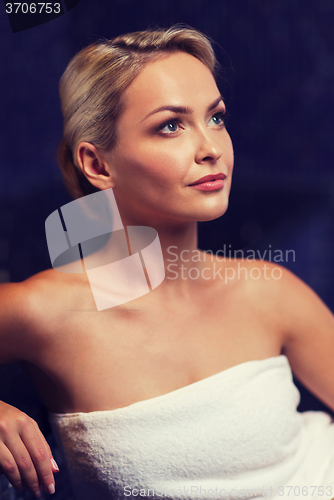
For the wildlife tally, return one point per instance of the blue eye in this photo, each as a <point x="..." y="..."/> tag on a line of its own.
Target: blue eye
<point x="169" y="127"/>
<point x="173" y="125"/>
<point x="218" y="118"/>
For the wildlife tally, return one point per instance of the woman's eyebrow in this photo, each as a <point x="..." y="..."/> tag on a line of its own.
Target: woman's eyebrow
<point x="185" y="110"/>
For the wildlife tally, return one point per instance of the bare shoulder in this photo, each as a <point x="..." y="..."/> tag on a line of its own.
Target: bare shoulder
<point x="300" y="308"/>
<point x="30" y="308"/>
<point x="273" y="291"/>
<point x="51" y="293"/>
<point x="302" y="321"/>
<point x="50" y="289"/>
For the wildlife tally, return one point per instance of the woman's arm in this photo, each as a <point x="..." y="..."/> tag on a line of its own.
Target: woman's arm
<point x="308" y="335"/>
<point x="25" y="456"/>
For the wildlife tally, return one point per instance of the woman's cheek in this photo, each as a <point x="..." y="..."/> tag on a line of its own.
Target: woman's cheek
<point x="166" y="167"/>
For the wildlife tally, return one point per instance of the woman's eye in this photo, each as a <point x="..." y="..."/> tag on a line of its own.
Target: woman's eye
<point x="169" y="127"/>
<point x="172" y="126"/>
<point x="218" y="118"/>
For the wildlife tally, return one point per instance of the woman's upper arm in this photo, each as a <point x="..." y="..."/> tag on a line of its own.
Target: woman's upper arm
<point x="308" y="336"/>
<point x="13" y="320"/>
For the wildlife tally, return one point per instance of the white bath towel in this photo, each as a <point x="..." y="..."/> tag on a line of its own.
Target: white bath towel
<point x="236" y="434"/>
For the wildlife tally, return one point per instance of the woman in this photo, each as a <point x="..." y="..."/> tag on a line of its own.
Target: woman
<point x="186" y="391"/>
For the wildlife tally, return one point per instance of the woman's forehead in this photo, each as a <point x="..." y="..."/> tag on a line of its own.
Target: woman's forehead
<point x="177" y="79"/>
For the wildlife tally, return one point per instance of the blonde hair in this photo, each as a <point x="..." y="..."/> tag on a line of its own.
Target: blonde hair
<point x="93" y="84"/>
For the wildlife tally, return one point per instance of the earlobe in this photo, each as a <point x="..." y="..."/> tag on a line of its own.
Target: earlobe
<point x="94" y="166"/>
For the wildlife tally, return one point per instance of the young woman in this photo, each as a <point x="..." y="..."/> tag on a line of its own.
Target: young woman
<point x="186" y="391"/>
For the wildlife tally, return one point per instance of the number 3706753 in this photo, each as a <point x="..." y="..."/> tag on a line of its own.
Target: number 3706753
<point x="33" y="8"/>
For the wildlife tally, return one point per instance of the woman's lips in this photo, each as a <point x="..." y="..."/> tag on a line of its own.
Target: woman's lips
<point x="209" y="182"/>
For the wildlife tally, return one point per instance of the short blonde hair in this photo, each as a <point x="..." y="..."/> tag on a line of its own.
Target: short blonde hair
<point x="94" y="81"/>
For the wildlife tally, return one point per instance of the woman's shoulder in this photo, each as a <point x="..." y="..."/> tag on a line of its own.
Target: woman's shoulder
<point x="50" y="289"/>
<point x="51" y="293"/>
<point x="264" y="285"/>
<point x="31" y="308"/>
<point x="274" y="292"/>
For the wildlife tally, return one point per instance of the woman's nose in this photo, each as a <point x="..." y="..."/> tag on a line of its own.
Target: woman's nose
<point x="208" y="149"/>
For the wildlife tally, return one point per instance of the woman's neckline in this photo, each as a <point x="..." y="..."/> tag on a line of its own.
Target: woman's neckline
<point x="56" y="416"/>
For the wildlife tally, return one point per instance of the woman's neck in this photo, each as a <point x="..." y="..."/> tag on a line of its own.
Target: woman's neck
<point x="115" y="271"/>
<point x="178" y="245"/>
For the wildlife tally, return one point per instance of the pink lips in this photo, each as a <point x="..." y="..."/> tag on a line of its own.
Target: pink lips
<point x="210" y="182"/>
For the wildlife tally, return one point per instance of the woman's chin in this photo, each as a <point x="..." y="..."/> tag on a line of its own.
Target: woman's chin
<point x="212" y="213"/>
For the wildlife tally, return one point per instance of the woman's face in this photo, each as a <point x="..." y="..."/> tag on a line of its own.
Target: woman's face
<point x="171" y="134"/>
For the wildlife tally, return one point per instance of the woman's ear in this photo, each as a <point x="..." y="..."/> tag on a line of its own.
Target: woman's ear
<point x="94" y="166"/>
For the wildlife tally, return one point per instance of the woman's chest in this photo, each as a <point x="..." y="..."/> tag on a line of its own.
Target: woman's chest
<point x="109" y="360"/>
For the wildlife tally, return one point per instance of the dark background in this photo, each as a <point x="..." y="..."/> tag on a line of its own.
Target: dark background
<point x="279" y="62"/>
